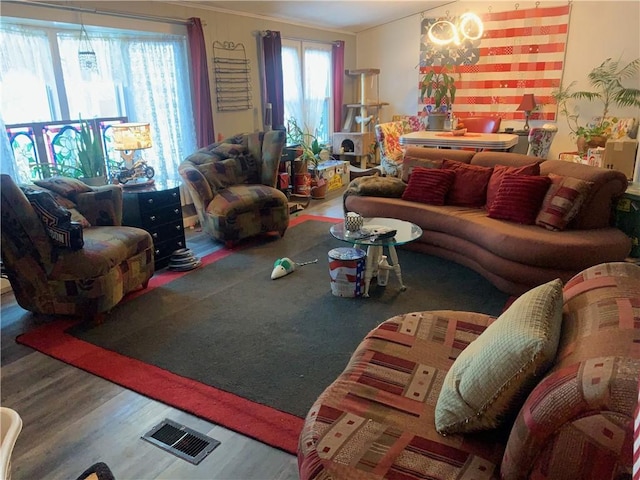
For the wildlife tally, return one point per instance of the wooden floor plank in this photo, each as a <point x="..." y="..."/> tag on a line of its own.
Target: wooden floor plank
<point x="73" y="419"/>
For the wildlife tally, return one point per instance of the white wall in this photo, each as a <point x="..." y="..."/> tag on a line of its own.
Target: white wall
<point x="597" y="30"/>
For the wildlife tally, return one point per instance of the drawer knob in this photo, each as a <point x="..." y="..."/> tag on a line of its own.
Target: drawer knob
<point x="150" y="200"/>
<point x="155" y="235"/>
<point x="157" y="251"/>
<point x="152" y="218"/>
<point x="180" y="244"/>
<point x="174" y="194"/>
<point x="178" y="227"/>
<point x="176" y="211"/>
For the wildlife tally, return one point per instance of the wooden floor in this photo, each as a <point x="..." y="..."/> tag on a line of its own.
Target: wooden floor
<point x="73" y="419"/>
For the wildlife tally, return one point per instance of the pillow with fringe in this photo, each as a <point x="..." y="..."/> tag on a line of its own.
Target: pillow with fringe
<point x="491" y="378"/>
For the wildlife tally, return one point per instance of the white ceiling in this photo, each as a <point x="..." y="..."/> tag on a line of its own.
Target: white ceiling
<point x="348" y="16"/>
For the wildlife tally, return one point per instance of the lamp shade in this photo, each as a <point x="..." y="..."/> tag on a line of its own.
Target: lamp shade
<point x="131" y="136"/>
<point x="528" y="103"/>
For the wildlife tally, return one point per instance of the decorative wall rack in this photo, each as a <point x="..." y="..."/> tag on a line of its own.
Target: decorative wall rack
<point x="231" y="70"/>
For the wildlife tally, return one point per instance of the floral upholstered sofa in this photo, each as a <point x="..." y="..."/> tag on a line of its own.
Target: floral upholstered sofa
<point x="546" y="391"/>
<point x="388" y="139"/>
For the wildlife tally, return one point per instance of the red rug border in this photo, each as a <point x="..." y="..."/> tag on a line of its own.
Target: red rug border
<point x="265" y="424"/>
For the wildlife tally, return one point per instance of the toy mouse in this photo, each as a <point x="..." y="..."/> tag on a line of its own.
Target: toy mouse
<point x="285" y="266"/>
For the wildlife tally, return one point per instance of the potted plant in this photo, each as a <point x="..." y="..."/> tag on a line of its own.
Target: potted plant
<point x="607" y="88"/>
<point x="439" y="84"/>
<point x="309" y="149"/>
<point x="91" y="161"/>
<point x="88" y="163"/>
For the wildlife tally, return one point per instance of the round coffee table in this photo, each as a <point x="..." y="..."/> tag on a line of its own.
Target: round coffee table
<point x="405" y="232"/>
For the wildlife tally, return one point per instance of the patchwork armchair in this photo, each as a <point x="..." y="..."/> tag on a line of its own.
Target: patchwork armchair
<point x="64" y="249"/>
<point x="540" y="139"/>
<point x="233" y="186"/>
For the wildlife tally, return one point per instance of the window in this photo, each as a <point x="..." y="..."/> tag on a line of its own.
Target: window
<point x="306" y="72"/>
<point x="142" y="76"/>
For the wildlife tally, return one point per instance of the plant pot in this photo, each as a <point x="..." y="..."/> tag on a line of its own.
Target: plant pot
<point x="94" y="181"/>
<point x="435" y="121"/>
<point x="597" y="141"/>
<point x="581" y="144"/>
<point x="319" y="187"/>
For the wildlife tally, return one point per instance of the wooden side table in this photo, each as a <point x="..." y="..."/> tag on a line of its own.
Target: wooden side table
<point x="523" y="141"/>
<point x="156" y="208"/>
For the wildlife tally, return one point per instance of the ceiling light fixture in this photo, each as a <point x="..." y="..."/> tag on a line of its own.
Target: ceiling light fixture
<point x="444" y="32"/>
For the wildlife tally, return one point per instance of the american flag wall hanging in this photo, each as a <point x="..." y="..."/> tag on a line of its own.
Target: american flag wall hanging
<point x="520" y="51"/>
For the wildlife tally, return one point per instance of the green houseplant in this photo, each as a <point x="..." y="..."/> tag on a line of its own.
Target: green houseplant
<point x="86" y="161"/>
<point x="606" y="81"/>
<point x="91" y="162"/>
<point x="308" y="151"/>
<point x="441" y="86"/>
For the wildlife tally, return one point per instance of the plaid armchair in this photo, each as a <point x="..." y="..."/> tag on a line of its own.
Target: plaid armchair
<point x="83" y="279"/>
<point x="232" y="183"/>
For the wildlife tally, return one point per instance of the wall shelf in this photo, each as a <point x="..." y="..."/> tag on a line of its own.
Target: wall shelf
<point x="231" y="70"/>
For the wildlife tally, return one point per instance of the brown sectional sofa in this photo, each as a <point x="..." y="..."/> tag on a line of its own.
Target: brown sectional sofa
<point x="513" y="257"/>
<point x="575" y="421"/>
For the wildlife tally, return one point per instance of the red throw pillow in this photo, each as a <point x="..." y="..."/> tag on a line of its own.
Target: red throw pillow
<point x="469" y="189"/>
<point x="428" y="185"/>
<point x="519" y="198"/>
<point x="498" y="174"/>
<point x="562" y="202"/>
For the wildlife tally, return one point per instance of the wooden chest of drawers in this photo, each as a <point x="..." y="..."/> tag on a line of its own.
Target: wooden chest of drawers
<point x="157" y="210"/>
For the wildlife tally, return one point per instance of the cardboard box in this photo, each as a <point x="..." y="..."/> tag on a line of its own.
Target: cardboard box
<point x="621" y="155"/>
<point x="335" y="172"/>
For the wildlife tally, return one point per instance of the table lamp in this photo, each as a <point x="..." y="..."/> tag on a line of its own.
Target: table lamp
<point x="527" y="104"/>
<point x="129" y="137"/>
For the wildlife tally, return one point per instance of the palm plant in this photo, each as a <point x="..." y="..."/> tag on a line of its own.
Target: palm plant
<point x="607" y="88"/>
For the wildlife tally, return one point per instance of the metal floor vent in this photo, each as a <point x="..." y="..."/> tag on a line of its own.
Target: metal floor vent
<point x="181" y="441"/>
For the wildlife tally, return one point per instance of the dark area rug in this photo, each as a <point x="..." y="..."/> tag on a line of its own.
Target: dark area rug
<point x="279" y="342"/>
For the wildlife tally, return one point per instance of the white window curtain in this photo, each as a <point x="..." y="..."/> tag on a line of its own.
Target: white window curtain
<point x="7" y="165"/>
<point x="307" y="70"/>
<point x="27" y="82"/>
<point x="140" y="75"/>
<point x="152" y="74"/>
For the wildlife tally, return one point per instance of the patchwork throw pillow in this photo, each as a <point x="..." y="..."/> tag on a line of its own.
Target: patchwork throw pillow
<point x="226" y="150"/>
<point x="230" y="164"/>
<point x="56" y="220"/>
<point x="410" y="162"/>
<point x="429" y="185"/>
<point x="469" y="188"/>
<point x="65" y="186"/>
<point x="65" y="202"/>
<point x="519" y="198"/>
<point x="562" y="202"/>
<point x="490" y="380"/>
<point x="498" y="174"/>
